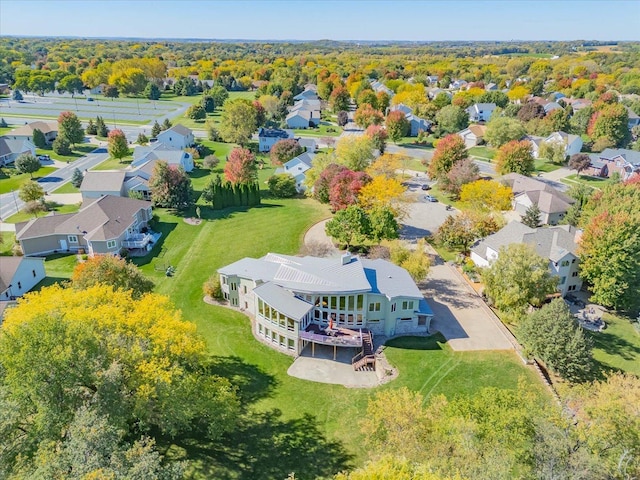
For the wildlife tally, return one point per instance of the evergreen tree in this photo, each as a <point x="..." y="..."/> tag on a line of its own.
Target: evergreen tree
<point x="156" y="129"/>
<point x="3" y="124"/>
<point x="166" y="124"/>
<point x="76" y="178"/>
<point x="62" y="146"/>
<point x="38" y="139"/>
<point x="531" y="218"/>
<point x="101" y="127"/>
<point x="91" y="128"/>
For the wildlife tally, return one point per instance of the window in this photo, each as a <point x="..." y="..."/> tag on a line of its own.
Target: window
<point x="234" y="286"/>
<point x="111" y="244"/>
<point x="574" y="274"/>
<point x="244" y="289"/>
<point x="565" y="263"/>
<point x="19" y="286"/>
<point x="374" y="307"/>
<point x="407" y="319"/>
<point x="34" y="272"/>
<point x="422" y="320"/>
<point x="72" y="238"/>
<point x="407" y="305"/>
<point x="393" y="307"/>
<point x="291" y="344"/>
<point x="563" y="280"/>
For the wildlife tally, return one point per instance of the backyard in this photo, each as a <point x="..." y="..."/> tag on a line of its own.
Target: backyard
<point x="11" y="179"/>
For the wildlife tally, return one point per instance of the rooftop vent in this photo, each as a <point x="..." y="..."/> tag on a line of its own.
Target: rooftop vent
<point x="346" y="258"/>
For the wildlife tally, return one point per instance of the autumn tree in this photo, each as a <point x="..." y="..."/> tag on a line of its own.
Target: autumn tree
<point x="61" y="146"/>
<point x="71" y="83"/>
<point x="397" y="125"/>
<point x="282" y="185"/>
<point x="517" y="278"/>
<point x="515" y="156"/>
<point x="553" y="335"/>
<point x="529" y="111"/>
<point x="378" y="136"/>
<point x="501" y="130"/>
<point x="367" y="115"/>
<point x="170" y="186"/>
<point x="284" y="150"/>
<point x="610" y="122"/>
<point x="354" y="152"/>
<point x="343" y="118"/>
<point x="456" y="233"/>
<point x="386" y="165"/>
<point x="219" y="95"/>
<point x="136" y="362"/>
<point x="118" y="146"/>
<point x="110" y="91"/>
<point x="462" y="172"/>
<point x="27" y="163"/>
<point x="196" y="112"/>
<point x="109" y="270"/>
<point x="31" y="191"/>
<point x="579" y="162"/>
<point x="322" y="185"/>
<point x="241" y="167"/>
<point x="339" y="99"/>
<point x="238" y="121"/>
<point x="69" y="127"/>
<point x="449" y="151"/>
<point x="383" y="191"/>
<point x="451" y="119"/>
<point x="345" y="187"/>
<point x="384" y="224"/>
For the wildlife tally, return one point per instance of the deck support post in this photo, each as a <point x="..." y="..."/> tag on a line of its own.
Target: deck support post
<point x="334" y="352"/>
<point x="313" y="349"/>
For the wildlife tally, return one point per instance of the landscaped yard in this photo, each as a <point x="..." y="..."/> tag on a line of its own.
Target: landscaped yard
<point x="483" y="152"/>
<point x="211" y="117"/>
<point x="542" y="165"/>
<point x="67" y="188"/>
<point x="6" y="245"/>
<point x="618" y="346"/>
<point x="78" y="151"/>
<point x="11" y="179"/>
<point x="52" y="207"/>
<point x="114" y="164"/>
<point x="595" y="182"/>
<point x="322" y="131"/>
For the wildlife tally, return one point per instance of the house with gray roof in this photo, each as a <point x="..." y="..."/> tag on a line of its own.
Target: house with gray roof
<point x="634" y="118"/>
<point x="178" y="137"/>
<point x="12" y="148"/>
<point x="305" y="113"/>
<point x="98" y="183"/>
<point x="416" y="124"/>
<point x="160" y="151"/>
<point x="623" y="161"/>
<point x="481" y="112"/>
<point x="25" y="132"/>
<point x="104" y="226"/>
<point x="18" y="275"/>
<point x="268" y="137"/>
<point x="558" y="244"/>
<point x="378" y="87"/>
<point x="310" y="92"/>
<point x="298" y="301"/>
<point x="297" y="167"/>
<point x="527" y="191"/>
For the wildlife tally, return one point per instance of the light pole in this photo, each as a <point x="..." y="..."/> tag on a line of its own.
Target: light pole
<point x="14" y="200"/>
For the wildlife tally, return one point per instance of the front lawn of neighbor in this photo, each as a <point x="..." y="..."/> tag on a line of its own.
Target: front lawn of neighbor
<point x="78" y="151"/>
<point x="114" y="164"/>
<point x="52" y="207"/>
<point x="322" y="131"/>
<point x="595" y="182"/>
<point x="482" y="152"/>
<point x="542" y="165"/>
<point x="67" y="188"/>
<point x="11" y="179"/>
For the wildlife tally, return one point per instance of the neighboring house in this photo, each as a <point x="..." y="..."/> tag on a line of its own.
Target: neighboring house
<point x="473" y="135"/>
<point x="160" y="151"/>
<point x="297" y="168"/>
<point x="432" y="93"/>
<point x="552" y="203"/>
<point x="297" y="301"/>
<point x="177" y="136"/>
<point x="558" y="244"/>
<point x="577" y="103"/>
<point x="572" y="143"/>
<point x="623" y="161"/>
<point x="267" y="137"/>
<point x="417" y="124"/>
<point x="481" y="112"/>
<point x="401" y="107"/>
<point x="18" y="275"/>
<point x="432" y="79"/>
<point x="381" y="87"/>
<point x="97" y="90"/>
<point x="98" y="183"/>
<point x="551" y="106"/>
<point x="491" y="87"/>
<point x="305" y="113"/>
<point x="25" y="132"/>
<point x="104" y="226"/>
<point x="535" y="142"/>
<point x="309" y="144"/>
<point x="10" y="149"/>
<point x="458" y="84"/>
<point x="634" y="118"/>
<point x="310" y="93"/>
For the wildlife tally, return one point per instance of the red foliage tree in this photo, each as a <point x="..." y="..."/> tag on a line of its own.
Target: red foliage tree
<point x="345" y="187"/>
<point x="367" y="115"/>
<point x="378" y="136"/>
<point x="241" y="167"/>
<point x="261" y="115"/>
<point x="284" y="150"/>
<point x="449" y="151"/>
<point x="323" y="183"/>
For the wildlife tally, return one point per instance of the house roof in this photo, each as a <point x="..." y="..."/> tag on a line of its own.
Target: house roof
<point x="286" y="301"/>
<point x="520" y="184"/>
<point x="100" y="181"/>
<point x="273" y="133"/>
<point x="106" y="218"/>
<point x="326" y="275"/>
<point x="630" y="156"/>
<point x="482" y="107"/>
<point x="306" y="114"/>
<point x="547" y="202"/>
<point x="403" y="108"/>
<point x="553" y="243"/>
<point x="10" y="145"/>
<point x="44" y="127"/>
<point x="180" y="130"/>
<point x="9" y="268"/>
<point x="159" y="151"/>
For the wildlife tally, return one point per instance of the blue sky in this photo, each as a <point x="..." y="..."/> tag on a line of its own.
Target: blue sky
<point x="333" y="19"/>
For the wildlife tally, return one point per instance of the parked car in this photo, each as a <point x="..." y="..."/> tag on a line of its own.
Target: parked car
<point x="43" y="158"/>
<point x="89" y="99"/>
<point x="430" y="198"/>
<point x="426" y="186"/>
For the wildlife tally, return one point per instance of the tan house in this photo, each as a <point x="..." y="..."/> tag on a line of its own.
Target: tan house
<point x="49" y="129"/>
<point x="473" y="135"/>
<point x="11" y="149"/>
<point x="105" y="226"/>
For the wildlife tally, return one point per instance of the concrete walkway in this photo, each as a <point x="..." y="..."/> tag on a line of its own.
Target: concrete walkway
<point x="316" y="236"/>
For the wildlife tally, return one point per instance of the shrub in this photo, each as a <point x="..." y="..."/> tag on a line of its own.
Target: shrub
<point x="62" y="146"/>
<point x="210" y="162"/>
<point x="282" y="185"/>
<point x="212" y="288"/>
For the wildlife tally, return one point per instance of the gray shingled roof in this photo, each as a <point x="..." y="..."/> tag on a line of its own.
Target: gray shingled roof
<point x="44" y="127"/>
<point x="521" y="184"/>
<point x="273" y="133"/>
<point x="181" y="129"/>
<point x="285" y="301"/>
<point x="98" y="181"/>
<point x="9" y="268"/>
<point x="9" y="146"/>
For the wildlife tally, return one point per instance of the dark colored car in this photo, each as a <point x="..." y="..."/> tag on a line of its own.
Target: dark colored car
<point x="44" y="158"/>
<point x="426" y="187"/>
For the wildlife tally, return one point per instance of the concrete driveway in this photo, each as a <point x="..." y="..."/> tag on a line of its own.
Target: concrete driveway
<point x="459" y="313"/>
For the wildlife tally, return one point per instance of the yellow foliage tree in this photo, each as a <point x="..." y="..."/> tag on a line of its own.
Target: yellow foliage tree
<point x="486" y="195"/>
<point x="518" y="93"/>
<point x="387" y="165"/>
<point x="382" y="191"/>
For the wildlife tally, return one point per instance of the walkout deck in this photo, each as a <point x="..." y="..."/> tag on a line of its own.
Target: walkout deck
<point x="139" y="240"/>
<point x="337" y="337"/>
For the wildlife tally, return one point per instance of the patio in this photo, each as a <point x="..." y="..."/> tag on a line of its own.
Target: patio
<point x="141" y="244"/>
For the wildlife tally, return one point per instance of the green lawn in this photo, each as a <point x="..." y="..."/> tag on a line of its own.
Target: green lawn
<point x="67" y="188"/>
<point x="411" y="142"/>
<point x="595" y="182"/>
<point x="7" y="129"/>
<point x="11" y="179"/>
<point x="58" y="268"/>
<point x="483" y="152"/>
<point x="6" y="245"/>
<point x="211" y="117"/>
<point x="53" y="207"/>
<point x="79" y="151"/>
<point x="321" y="131"/>
<point x="542" y="165"/>
<point x="113" y="164"/>
<point x="618" y="346"/>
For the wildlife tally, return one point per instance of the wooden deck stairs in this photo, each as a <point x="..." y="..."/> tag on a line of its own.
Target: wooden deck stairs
<point x="365" y="360"/>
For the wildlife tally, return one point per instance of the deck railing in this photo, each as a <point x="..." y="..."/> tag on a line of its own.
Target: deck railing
<point x="137" y="241"/>
<point x="338" y="340"/>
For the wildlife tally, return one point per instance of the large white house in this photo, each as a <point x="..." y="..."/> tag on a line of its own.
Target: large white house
<point x="558" y="244"/>
<point x="18" y="275"/>
<point x="268" y="137"/>
<point x="297" y="301"/>
<point x="160" y="151"/>
<point x="297" y="167"/>
<point x="481" y="112"/>
<point x="178" y="136"/>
